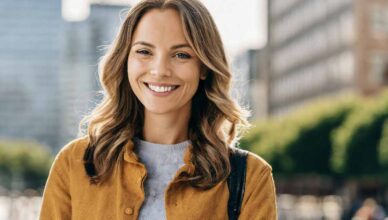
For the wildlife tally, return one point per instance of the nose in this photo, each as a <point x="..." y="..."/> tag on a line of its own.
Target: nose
<point x="161" y="67"/>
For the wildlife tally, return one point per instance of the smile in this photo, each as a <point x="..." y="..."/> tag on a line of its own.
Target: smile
<point x="161" y="88"/>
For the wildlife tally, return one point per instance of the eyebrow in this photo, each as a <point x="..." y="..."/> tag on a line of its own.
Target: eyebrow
<point x="152" y="46"/>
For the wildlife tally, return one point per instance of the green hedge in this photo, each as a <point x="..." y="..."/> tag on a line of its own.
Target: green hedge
<point x="383" y="149"/>
<point x="23" y="164"/>
<point x="357" y="142"/>
<point x="300" y="142"/>
<point x="343" y="136"/>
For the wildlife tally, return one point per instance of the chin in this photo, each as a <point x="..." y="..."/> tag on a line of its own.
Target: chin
<point x="158" y="109"/>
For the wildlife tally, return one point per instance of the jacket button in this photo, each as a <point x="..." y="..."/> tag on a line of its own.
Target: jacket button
<point x="128" y="211"/>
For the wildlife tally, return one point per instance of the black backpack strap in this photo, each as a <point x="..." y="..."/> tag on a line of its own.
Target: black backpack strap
<point x="236" y="182"/>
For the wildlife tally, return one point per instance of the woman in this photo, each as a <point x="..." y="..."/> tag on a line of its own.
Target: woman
<point x="158" y="145"/>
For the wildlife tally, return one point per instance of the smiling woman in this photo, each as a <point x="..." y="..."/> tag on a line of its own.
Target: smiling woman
<point x="162" y="142"/>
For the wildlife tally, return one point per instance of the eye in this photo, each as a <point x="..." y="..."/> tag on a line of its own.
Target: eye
<point x="143" y="52"/>
<point x="183" y="56"/>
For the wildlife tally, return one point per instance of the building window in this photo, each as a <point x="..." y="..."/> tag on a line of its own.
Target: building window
<point x="347" y="27"/>
<point x="340" y="68"/>
<point x="333" y="34"/>
<point x="379" y="19"/>
<point x="346" y="66"/>
<point x="378" y="67"/>
<point x="280" y="6"/>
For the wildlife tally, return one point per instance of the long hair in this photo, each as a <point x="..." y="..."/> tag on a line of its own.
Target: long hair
<point x="216" y="119"/>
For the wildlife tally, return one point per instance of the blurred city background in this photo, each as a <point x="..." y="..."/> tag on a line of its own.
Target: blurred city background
<point x="316" y="86"/>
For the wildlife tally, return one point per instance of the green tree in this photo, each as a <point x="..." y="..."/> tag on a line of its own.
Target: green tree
<point x="300" y="142"/>
<point x="356" y="143"/>
<point x="26" y="160"/>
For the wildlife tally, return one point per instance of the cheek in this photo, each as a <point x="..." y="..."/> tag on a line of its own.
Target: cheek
<point x="192" y="76"/>
<point x="189" y="71"/>
<point x="192" y="82"/>
<point x="134" y="70"/>
<point x="132" y="66"/>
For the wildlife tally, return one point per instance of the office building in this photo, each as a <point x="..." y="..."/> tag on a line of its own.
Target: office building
<point x="322" y="48"/>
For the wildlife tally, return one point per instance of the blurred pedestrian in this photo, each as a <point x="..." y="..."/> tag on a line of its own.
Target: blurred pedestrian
<point x="369" y="210"/>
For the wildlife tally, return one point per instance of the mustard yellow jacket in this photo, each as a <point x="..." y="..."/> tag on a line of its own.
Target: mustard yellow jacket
<point x="69" y="195"/>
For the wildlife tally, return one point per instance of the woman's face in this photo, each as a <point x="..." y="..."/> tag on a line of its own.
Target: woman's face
<point x="163" y="70"/>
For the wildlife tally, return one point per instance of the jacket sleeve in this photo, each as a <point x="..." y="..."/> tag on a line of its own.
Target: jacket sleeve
<point x="56" y="202"/>
<point x="259" y="200"/>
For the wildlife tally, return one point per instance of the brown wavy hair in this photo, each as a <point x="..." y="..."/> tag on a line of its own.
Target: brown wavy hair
<point x="216" y="119"/>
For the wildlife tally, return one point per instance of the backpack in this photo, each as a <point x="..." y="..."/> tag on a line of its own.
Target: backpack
<point x="236" y="182"/>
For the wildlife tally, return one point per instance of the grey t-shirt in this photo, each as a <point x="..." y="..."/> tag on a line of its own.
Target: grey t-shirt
<point x="162" y="162"/>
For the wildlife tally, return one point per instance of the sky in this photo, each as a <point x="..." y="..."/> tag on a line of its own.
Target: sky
<point x="242" y="24"/>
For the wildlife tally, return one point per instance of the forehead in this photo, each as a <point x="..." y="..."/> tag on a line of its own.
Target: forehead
<point x="160" y="26"/>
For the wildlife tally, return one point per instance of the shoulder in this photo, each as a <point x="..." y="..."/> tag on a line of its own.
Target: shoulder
<point x="259" y="201"/>
<point x="68" y="163"/>
<point x="75" y="146"/>
<point x="73" y="150"/>
<point x="257" y="166"/>
<point x="258" y="173"/>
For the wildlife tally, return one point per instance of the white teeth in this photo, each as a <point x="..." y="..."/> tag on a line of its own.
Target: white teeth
<point x="161" y="88"/>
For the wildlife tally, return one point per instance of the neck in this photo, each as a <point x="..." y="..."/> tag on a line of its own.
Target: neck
<point x="169" y="128"/>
